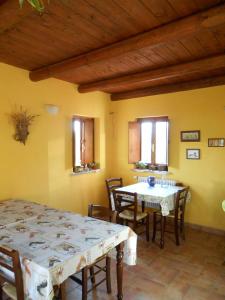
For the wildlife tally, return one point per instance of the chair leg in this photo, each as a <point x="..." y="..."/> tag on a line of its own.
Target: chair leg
<point x="176" y="230"/>
<point x="118" y="220"/>
<point x="142" y="210"/>
<point x="182" y="231"/>
<point x="84" y="283"/>
<point x="163" y="225"/>
<point x="92" y="274"/>
<point x="143" y="206"/>
<point x="134" y="226"/>
<point x="154" y="227"/>
<point x="108" y="275"/>
<point x="147" y="228"/>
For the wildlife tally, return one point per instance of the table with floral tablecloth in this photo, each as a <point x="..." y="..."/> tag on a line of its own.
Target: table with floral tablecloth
<point x="55" y="244"/>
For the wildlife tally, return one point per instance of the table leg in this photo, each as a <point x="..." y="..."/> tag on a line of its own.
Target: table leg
<point x="119" y="266"/>
<point x="62" y="293"/>
<point x="163" y="224"/>
<point x="1" y="294"/>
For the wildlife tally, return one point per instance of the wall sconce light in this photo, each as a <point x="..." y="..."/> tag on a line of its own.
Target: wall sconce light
<point x="52" y="109"/>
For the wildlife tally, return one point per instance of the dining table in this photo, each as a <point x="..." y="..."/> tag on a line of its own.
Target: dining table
<point x="157" y="196"/>
<point x="54" y="244"/>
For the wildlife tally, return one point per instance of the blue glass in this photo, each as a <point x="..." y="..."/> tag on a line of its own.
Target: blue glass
<point x="151" y="181"/>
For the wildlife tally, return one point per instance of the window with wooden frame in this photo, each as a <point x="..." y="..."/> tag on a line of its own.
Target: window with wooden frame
<point x="148" y="141"/>
<point x="83" y="141"/>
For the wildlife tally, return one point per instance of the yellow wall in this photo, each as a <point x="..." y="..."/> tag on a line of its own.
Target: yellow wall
<point x="41" y="170"/>
<point x="200" y="109"/>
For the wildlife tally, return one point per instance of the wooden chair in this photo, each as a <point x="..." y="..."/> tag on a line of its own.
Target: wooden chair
<point x="111" y="185"/>
<point x="11" y="279"/>
<point x="177" y="215"/>
<point x="102" y="213"/>
<point x="130" y="213"/>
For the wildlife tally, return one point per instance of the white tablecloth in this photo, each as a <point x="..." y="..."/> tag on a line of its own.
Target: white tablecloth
<point x="55" y="244"/>
<point x="155" y="196"/>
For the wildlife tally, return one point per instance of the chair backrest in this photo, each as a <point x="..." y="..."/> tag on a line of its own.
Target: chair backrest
<point x="180" y="202"/>
<point x="102" y="213"/>
<point x="126" y="201"/>
<point x="111" y="185"/>
<point x="11" y="270"/>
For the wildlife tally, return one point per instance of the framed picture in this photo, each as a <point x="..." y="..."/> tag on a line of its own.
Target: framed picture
<point x="216" y="142"/>
<point x="192" y="153"/>
<point x="190" y="136"/>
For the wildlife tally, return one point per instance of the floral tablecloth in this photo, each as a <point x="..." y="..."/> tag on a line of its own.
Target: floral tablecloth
<point x="156" y="196"/>
<point x="55" y="244"/>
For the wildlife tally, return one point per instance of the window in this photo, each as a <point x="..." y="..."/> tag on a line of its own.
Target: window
<point x="148" y="141"/>
<point x="83" y="141"/>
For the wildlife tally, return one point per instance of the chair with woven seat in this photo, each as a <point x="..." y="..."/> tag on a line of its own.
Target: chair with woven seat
<point x="130" y="212"/>
<point x="177" y="215"/>
<point x="101" y="213"/>
<point x="11" y="279"/>
<point x="111" y="185"/>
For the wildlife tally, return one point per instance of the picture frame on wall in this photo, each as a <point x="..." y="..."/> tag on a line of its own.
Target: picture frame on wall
<point x="216" y="142"/>
<point x="192" y="153"/>
<point x="190" y="136"/>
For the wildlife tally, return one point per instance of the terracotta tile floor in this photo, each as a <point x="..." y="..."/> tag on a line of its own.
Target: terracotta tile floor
<point x="192" y="271"/>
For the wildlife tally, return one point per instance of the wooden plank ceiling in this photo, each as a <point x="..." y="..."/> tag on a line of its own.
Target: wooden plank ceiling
<point x="127" y="48"/>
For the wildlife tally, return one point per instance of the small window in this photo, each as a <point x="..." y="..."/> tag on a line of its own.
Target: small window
<point x="83" y="141"/>
<point x="148" y="141"/>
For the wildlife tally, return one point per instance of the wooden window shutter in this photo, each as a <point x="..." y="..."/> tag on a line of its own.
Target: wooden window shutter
<point x="134" y="142"/>
<point x="88" y="141"/>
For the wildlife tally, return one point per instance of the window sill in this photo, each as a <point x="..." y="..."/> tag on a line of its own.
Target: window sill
<point x="140" y="170"/>
<point x="151" y="171"/>
<point x="85" y="172"/>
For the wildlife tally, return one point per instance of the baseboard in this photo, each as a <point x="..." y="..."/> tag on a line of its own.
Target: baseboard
<point x="206" y="229"/>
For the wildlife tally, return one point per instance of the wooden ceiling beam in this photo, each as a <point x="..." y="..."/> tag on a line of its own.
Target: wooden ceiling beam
<point x="170" y="88"/>
<point x="197" y="67"/>
<point x="159" y="36"/>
